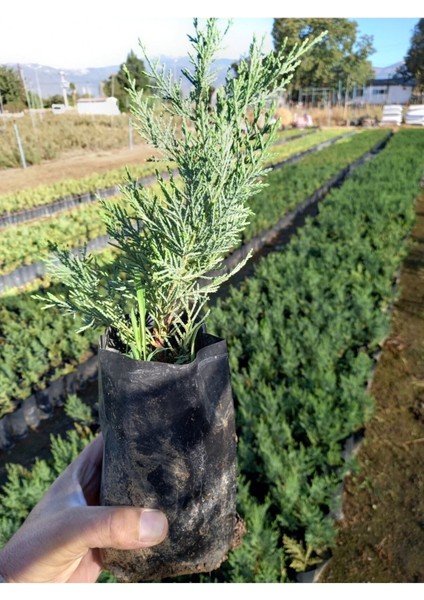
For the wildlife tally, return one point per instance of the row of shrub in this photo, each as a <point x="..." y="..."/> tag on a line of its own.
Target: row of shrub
<point x="46" y="194"/>
<point x="280" y="152"/>
<point x="301" y="334"/>
<point x="36" y="346"/>
<point x="84" y="223"/>
<point x="47" y="137"/>
<point x="28" y="243"/>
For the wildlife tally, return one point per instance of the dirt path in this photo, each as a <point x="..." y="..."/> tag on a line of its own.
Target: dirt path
<point x="381" y="539"/>
<point x="73" y="166"/>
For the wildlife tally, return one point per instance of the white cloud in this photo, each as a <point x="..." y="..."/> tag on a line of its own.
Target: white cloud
<point x="89" y="33"/>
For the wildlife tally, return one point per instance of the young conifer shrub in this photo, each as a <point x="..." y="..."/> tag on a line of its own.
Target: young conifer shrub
<point x="170" y="241"/>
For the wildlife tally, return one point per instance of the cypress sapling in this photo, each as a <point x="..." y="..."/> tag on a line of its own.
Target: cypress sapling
<point x="166" y="409"/>
<point x="170" y="240"/>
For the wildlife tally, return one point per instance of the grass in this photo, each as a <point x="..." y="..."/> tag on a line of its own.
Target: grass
<point x="336" y="116"/>
<point x="47" y="137"/>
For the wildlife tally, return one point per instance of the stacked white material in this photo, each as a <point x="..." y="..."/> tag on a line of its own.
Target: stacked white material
<point x="392" y="115"/>
<point x="415" y="115"/>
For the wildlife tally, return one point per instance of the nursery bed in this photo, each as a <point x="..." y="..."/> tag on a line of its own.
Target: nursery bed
<point x="12" y="425"/>
<point x="381" y="538"/>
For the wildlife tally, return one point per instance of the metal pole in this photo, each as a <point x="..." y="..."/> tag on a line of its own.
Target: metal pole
<point x="65" y="86"/>
<point x="21" y="150"/>
<point x="130" y="134"/>
<point x="39" y="89"/>
<point x="21" y="72"/>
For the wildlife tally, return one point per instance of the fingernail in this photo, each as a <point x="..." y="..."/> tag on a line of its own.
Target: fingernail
<point x="153" y="526"/>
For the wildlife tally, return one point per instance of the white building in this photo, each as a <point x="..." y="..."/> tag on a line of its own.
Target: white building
<point x="387" y="91"/>
<point x="388" y="87"/>
<point x="98" y="106"/>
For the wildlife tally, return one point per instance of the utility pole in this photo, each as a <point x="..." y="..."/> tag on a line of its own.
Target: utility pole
<point x="21" y="73"/>
<point x="2" y="110"/>
<point x="65" y="87"/>
<point x="130" y="134"/>
<point x="39" y="88"/>
<point x="21" y="149"/>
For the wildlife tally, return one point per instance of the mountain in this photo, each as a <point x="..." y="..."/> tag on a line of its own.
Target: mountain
<point x="48" y="79"/>
<point x="387" y="72"/>
<point x="88" y="81"/>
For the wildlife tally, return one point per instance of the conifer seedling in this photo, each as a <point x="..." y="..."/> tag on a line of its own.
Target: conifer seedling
<point x="169" y="429"/>
<point x="170" y="240"/>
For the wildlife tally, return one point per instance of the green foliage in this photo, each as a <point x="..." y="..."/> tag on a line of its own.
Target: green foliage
<point x="301" y="558"/>
<point x="302" y="332"/>
<point x="78" y="411"/>
<point x="414" y="60"/>
<point x="21" y="372"/>
<point x="36" y="347"/>
<point x="292" y="184"/>
<point x="25" y="487"/>
<point x="11" y="89"/>
<point x="46" y="194"/>
<point x="170" y="242"/>
<point x="74" y="227"/>
<point x="259" y="558"/>
<point x="116" y="85"/>
<point x="339" y="56"/>
<point x="54" y="99"/>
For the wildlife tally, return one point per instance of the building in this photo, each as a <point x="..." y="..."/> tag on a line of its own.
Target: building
<point x="387" y="91"/>
<point x="388" y="87"/>
<point x="98" y="106"/>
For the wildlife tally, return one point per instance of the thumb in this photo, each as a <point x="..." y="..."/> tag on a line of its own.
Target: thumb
<point x="49" y="549"/>
<point x="120" y="527"/>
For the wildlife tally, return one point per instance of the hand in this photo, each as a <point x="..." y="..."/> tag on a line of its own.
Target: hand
<point x="60" y="539"/>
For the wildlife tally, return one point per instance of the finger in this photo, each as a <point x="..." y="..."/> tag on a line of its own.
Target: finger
<point x="119" y="527"/>
<point x="54" y="548"/>
<point x="88" y="569"/>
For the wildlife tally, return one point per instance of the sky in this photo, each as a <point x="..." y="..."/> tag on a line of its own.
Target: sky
<point x="93" y="33"/>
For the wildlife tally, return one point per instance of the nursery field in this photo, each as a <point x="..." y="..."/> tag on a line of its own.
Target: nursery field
<point x="81" y="221"/>
<point x="388" y="482"/>
<point x="83" y="161"/>
<point x="304" y="330"/>
<point x="74" y="166"/>
<point x="28" y="367"/>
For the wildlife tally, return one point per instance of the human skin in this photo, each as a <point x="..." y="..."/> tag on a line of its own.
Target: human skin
<point x="60" y="540"/>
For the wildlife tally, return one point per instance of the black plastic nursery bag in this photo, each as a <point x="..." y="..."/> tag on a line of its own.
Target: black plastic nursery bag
<point x="170" y="444"/>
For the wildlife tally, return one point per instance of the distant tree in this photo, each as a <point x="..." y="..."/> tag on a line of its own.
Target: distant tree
<point x="11" y="89"/>
<point x="340" y="57"/>
<point x="73" y="94"/>
<point x="55" y="99"/>
<point x="34" y="100"/>
<point x="414" y="60"/>
<point x="116" y="85"/>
